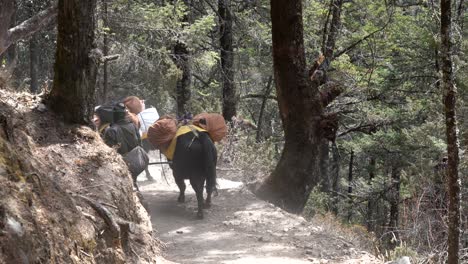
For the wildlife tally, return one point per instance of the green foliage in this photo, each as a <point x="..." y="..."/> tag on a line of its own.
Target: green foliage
<point x="318" y="203"/>
<point x="403" y="250"/>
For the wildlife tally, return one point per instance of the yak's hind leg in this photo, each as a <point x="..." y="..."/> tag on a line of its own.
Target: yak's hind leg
<point x="181" y="184"/>
<point x="197" y="184"/>
<point x="210" y="168"/>
<point x="209" y="191"/>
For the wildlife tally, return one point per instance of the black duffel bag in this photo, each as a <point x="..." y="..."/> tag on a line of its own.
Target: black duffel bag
<point x="137" y="160"/>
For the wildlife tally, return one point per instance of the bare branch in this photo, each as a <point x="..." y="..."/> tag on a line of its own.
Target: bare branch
<point x="109" y="58"/>
<point x="361" y="40"/>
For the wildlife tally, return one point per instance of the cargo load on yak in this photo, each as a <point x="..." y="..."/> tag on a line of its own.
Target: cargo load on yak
<point x="164" y="132"/>
<point x="169" y="152"/>
<point x="161" y="133"/>
<point x="213" y="123"/>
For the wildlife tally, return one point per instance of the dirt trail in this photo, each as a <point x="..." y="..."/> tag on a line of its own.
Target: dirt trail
<point x="238" y="228"/>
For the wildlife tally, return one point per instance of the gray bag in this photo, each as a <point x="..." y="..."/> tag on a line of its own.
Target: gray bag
<point x="137" y="160"/>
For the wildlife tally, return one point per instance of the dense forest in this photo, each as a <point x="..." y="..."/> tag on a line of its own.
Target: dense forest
<point x="357" y="106"/>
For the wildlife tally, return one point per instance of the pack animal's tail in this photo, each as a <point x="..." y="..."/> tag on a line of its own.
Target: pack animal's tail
<point x="211" y="158"/>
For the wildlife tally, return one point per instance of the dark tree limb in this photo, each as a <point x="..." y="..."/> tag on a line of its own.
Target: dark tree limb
<point x="352" y="46"/>
<point x="258" y="96"/>
<point x="368" y="128"/>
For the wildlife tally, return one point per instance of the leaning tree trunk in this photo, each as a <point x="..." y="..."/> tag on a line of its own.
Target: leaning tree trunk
<point x="9" y="36"/>
<point x="227" y="59"/>
<point x="453" y="184"/>
<point x="76" y="60"/>
<point x="298" y="170"/>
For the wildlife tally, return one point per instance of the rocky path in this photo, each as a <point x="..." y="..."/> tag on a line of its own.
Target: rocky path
<point x="239" y="228"/>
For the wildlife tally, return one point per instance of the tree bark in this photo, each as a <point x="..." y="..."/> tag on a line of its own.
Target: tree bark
<point x="8" y="17"/>
<point x="227" y="59"/>
<point x="76" y="62"/>
<point x="7" y="9"/>
<point x="298" y="170"/>
<point x="262" y="109"/>
<point x="350" y="186"/>
<point x="370" y="201"/>
<point x="183" y="94"/>
<point x="335" y="174"/>
<point x="453" y="184"/>
<point x="105" y="51"/>
<point x="394" y="204"/>
<point x="9" y="36"/>
<point x="182" y="60"/>
<point x="33" y="64"/>
<point x="324" y="167"/>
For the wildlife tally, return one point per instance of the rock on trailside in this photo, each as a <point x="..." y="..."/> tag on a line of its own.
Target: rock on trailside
<point x="239" y="228"/>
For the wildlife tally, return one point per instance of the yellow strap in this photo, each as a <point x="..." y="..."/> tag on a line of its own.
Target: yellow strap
<point x="104" y="126"/>
<point x="144" y="136"/>
<point x="169" y="153"/>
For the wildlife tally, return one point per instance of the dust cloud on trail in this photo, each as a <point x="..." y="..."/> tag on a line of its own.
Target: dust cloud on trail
<point x="238" y="228"/>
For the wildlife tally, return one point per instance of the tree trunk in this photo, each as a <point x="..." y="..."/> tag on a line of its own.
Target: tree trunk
<point x="324" y="167"/>
<point x="76" y="60"/>
<point x="335" y="174"/>
<point x="350" y="186"/>
<point x="8" y="16"/>
<point x="334" y="28"/>
<point x="182" y="60"/>
<point x="394" y="204"/>
<point x="182" y="57"/>
<point x="262" y="109"/>
<point x="298" y="170"/>
<point x="33" y="64"/>
<point x="7" y="9"/>
<point x="451" y="132"/>
<point x="370" y="201"/>
<point x="105" y="51"/>
<point x="227" y="60"/>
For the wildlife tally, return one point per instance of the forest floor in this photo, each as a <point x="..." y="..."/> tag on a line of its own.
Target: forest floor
<point x="239" y="228"/>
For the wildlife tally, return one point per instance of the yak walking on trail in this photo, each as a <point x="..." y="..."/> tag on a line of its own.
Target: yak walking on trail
<point x="195" y="158"/>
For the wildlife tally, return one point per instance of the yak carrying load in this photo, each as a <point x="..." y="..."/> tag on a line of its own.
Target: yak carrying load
<point x="164" y="132"/>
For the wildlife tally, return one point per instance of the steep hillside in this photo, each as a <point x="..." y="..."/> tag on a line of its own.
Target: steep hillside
<point x="65" y="196"/>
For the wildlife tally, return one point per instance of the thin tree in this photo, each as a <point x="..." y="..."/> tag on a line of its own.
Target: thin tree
<point x="105" y="50"/>
<point x="182" y="60"/>
<point x="227" y="59"/>
<point x="450" y="97"/>
<point x="301" y="109"/>
<point x="33" y="55"/>
<point x="76" y="62"/>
